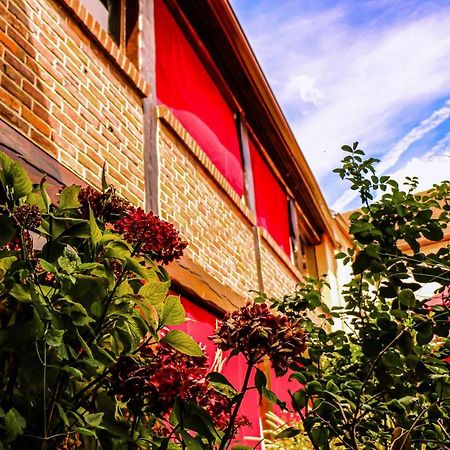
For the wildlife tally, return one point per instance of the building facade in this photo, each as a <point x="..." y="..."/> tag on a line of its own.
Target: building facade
<point x="169" y="95"/>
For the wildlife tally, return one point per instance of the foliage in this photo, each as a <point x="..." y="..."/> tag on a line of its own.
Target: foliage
<point x="285" y="433"/>
<point x="89" y="356"/>
<point x="377" y="376"/>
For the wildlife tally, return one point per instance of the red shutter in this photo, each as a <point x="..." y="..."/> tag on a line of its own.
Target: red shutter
<point x="184" y="85"/>
<point x="271" y="201"/>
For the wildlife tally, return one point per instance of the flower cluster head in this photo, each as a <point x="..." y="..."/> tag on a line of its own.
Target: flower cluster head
<point x="160" y="376"/>
<point x="157" y="238"/>
<point x="28" y="216"/>
<point x="106" y="205"/>
<point x="256" y="331"/>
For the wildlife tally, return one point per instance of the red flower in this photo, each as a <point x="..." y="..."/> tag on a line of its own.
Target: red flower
<point x="159" y="377"/>
<point x="105" y="205"/>
<point x="255" y="331"/>
<point x="154" y="236"/>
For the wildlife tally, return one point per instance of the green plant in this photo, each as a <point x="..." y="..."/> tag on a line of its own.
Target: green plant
<point x="89" y="357"/>
<point x="383" y="380"/>
<point x="285" y="433"/>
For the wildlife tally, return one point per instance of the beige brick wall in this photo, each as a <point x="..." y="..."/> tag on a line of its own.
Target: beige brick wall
<point x="59" y="88"/>
<point x="278" y="278"/>
<point x="220" y="236"/>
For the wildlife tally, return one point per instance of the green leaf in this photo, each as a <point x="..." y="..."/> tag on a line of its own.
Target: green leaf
<point x="7" y="262"/>
<point x="407" y="298"/>
<point x="174" y="313"/>
<point x="21" y="292"/>
<point x="14" y="422"/>
<point x="85" y="431"/>
<point x="361" y="263"/>
<point x="144" y="272"/>
<point x="21" y="181"/>
<point x="183" y="343"/>
<point x="68" y="198"/>
<point x="96" y="234"/>
<point x="117" y="249"/>
<point x="155" y="292"/>
<point x="7" y="230"/>
<point x="260" y="381"/>
<point x="94" y="420"/>
<point x="54" y="338"/>
<point x="433" y="232"/>
<point x="221" y="384"/>
<point x="48" y="267"/>
<point x="288" y="433"/>
<point x="424" y="333"/>
<point x="35" y="198"/>
<point x="319" y="436"/>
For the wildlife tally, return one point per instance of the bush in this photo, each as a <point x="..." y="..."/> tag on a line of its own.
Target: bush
<point x="376" y="375"/>
<point x="89" y="355"/>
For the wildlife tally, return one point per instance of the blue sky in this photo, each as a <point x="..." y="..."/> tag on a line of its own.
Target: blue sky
<point x="373" y="71"/>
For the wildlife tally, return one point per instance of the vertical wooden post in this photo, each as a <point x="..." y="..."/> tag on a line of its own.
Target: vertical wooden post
<point x="250" y="194"/>
<point x="148" y="70"/>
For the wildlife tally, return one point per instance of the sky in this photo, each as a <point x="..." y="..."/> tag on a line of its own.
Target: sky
<point x="372" y="71"/>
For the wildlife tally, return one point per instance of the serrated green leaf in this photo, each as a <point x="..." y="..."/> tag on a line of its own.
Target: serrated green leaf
<point x="155" y="292"/>
<point x="14" y="422"/>
<point x="68" y="198"/>
<point x="173" y="313"/>
<point x="183" y="343"/>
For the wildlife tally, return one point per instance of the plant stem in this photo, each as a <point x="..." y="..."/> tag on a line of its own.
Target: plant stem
<point x="229" y="431"/>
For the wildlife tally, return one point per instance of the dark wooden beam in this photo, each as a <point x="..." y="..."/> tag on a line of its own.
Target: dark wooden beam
<point x="37" y="162"/>
<point x="148" y="71"/>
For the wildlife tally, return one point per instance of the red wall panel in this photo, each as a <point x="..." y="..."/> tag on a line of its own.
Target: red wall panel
<point x="202" y="324"/>
<point x="271" y="201"/>
<point x="185" y="87"/>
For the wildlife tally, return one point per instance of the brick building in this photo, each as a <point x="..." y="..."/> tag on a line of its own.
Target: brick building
<point x="170" y="95"/>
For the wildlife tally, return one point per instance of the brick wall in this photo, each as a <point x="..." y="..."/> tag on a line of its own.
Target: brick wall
<point x="279" y="276"/>
<point x="219" y="233"/>
<point x="60" y="87"/>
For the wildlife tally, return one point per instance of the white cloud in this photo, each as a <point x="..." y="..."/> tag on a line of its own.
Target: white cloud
<point x="341" y="81"/>
<point x="428" y="170"/>
<point x="304" y="88"/>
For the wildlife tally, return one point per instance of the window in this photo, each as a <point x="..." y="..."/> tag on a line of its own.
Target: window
<point x="186" y="87"/>
<point x="303" y="255"/>
<point x="120" y="19"/>
<point x="271" y="200"/>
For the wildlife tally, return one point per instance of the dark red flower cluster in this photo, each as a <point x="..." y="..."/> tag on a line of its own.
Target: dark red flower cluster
<point x="159" y="377"/>
<point x="255" y="331"/>
<point x="28" y="216"/>
<point x="105" y="205"/>
<point x="15" y="245"/>
<point x="155" y="237"/>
